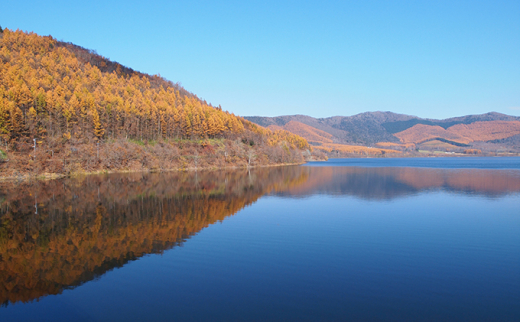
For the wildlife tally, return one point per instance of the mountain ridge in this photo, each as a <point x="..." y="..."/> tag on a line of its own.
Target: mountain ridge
<point x="383" y="128"/>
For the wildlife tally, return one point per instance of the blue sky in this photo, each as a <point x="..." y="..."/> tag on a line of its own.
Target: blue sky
<point x="433" y="59"/>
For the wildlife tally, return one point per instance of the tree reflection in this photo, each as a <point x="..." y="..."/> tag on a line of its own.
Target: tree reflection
<point x="59" y="234"/>
<point x="85" y="227"/>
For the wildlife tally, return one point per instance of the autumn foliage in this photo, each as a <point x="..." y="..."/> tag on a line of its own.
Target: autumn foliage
<point x="322" y="142"/>
<point x="65" y="96"/>
<point x="487" y="130"/>
<point x="393" y="145"/>
<point x="421" y="133"/>
<point x="461" y="133"/>
<point x="353" y="150"/>
<point x="310" y="133"/>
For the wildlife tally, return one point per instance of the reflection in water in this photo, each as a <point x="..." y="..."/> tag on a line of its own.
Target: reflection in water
<point x="393" y="182"/>
<point x="59" y="234"/>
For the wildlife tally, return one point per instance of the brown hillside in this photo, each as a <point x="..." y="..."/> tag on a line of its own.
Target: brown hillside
<point x="393" y="145"/>
<point x="308" y="132"/>
<point x="373" y="128"/>
<point x="462" y="133"/>
<point x="421" y="133"/>
<point x="487" y="130"/>
<point x="437" y="144"/>
<point x="355" y="150"/>
<point x="323" y="141"/>
<point x="274" y="127"/>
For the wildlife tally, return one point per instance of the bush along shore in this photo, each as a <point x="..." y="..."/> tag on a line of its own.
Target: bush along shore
<point x="124" y="155"/>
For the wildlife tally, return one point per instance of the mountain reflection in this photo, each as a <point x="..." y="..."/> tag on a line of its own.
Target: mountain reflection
<point x="59" y="234"/>
<point x="392" y="182"/>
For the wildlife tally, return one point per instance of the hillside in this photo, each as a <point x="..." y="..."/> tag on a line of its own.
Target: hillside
<point x="323" y="141"/>
<point x="489" y="133"/>
<point x="87" y="113"/>
<point x="310" y="133"/>
<point x="487" y="130"/>
<point x="421" y="133"/>
<point x="483" y="131"/>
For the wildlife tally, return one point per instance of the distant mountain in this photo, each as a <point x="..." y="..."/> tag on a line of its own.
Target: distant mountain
<point x="365" y="128"/>
<point x="398" y="126"/>
<point x="461" y="133"/>
<point x="392" y="130"/>
<point x="310" y="133"/>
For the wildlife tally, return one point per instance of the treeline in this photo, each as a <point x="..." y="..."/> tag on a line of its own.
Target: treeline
<point x="60" y="234"/>
<point x="59" y="93"/>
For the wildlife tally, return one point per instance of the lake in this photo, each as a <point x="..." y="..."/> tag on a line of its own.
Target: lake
<point x="427" y="239"/>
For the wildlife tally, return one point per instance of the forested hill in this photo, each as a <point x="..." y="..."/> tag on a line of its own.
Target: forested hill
<point x="74" y="101"/>
<point x="491" y="132"/>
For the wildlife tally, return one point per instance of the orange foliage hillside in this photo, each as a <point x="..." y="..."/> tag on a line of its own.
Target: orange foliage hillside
<point x="67" y="97"/>
<point x="487" y="130"/>
<point x="47" y="91"/>
<point x="274" y="127"/>
<point x="322" y="140"/>
<point x="393" y="145"/>
<point x="356" y="150"/>
<point x="308" y="132"/>
<point x="462" y="133"/>
<point x="421" y="133"/>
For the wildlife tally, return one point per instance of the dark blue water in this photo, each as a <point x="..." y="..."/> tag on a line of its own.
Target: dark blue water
<point x="329" y="243"/>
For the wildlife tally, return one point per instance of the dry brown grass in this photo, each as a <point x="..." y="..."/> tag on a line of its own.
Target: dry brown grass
<point x="359" y="150"/>
<point x="487" y="130"/>
<point x="308" y="132"/>
<point x="462" y="133"/>
<point x="420" y="133"/>
<point x="438" y="144"/>
<point x="393" y="145"/>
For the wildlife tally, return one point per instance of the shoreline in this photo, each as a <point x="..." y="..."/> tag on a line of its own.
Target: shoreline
<point x="52" y="176"/>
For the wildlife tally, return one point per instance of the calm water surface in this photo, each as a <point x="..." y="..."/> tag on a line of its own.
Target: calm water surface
<point x="343" y="240"/>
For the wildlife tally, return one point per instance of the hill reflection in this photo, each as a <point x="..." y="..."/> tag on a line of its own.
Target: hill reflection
<point x="382" y="183"/>
<point x="59" y="234"/>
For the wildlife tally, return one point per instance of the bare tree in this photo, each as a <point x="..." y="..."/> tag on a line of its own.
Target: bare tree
<point x="250" y="157"/>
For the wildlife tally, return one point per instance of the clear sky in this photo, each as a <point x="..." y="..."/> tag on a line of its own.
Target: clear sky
<point x="433" y="59"/>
